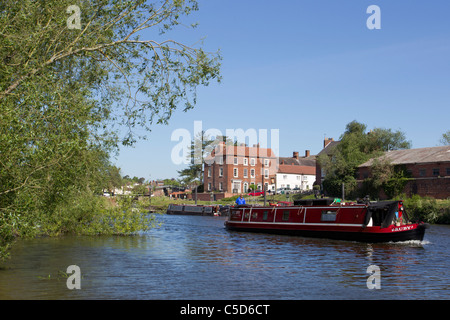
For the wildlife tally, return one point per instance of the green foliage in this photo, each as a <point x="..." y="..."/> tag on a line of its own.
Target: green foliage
<point x="356" y="146"/>
<point x="395" y="184"/>
<point x="445" y="140"/>
<point x="63" y="94"/>
<point x="428" y="209"/>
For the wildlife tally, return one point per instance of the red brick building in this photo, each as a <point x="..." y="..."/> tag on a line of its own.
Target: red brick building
<point x="232" y="169"/>
<point x="429" y="169"/>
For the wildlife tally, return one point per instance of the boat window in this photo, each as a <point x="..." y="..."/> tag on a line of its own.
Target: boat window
<point x="285" y="215"/>
<point x="265" y="214"/>
<point x="235" y="214"/>
<point x="328" y="215"/>
<point x="246" y="214"/>
<point x="254" y="215"/>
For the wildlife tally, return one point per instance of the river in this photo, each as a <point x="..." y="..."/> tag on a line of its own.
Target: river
<point x="195" y="258"/>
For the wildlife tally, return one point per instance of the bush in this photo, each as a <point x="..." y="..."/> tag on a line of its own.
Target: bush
<point x="428" y="209"/>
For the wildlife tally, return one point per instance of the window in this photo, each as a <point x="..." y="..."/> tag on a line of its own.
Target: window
<point x="252" y="173"/>
<point x="299" y="177"/>
<point x="245" y="161"/>
<point x="265" y="214"/>
<point x="220" y="186"/>
<point x="209" y="172"/>
<point x="209" y="186"/>
<point x="235" y="160"/>
<point x="285" y="215"/>
<point x="220" y="172"/>
<point x="266" y="162"/>
<point x="245" y="173"/>
<point x="422" y="172"/>
<point x="285" y="176"/>
<point x="436" y="172"/>
<point x="235" y="172"/>
<point x="328" y="216"/>
<point x="219" y="160"/>
<point x="448" y="171"/>
<point x="266" y="173"/>
<point x="252" y="161"/>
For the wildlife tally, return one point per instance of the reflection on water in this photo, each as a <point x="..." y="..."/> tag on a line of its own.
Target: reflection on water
<point x="192" y="257"/>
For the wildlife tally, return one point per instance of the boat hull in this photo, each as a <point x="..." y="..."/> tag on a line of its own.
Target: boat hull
<point x="368" y="234"/>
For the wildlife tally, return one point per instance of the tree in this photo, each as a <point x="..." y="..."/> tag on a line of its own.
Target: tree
<point x="356" y="146"/>
<point x="63" y="92"/>
<point x="201" y="146"/>
<point x="445" y="140"/>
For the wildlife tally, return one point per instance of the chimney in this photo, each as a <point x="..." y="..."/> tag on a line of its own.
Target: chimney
<point x="307" y="153"/>
<point x="295" y="155"/>
<point x="327" y="141"/>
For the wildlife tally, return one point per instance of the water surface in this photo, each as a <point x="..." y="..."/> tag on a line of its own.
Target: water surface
<point x="192" y="257"/>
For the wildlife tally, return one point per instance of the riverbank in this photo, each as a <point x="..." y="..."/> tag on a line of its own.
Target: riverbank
<point x="428" y="210"/>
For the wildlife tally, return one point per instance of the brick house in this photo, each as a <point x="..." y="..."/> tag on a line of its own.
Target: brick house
<point x="429" y="169"/>
<point x="232" y="169"/>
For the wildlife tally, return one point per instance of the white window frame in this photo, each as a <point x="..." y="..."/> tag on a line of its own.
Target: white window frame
<point x="235" y="172"/>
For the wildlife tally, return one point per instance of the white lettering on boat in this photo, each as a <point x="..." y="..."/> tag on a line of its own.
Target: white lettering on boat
<point x="403" y="228"/>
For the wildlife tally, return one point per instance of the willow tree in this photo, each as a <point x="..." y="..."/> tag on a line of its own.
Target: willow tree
<point x="72" y="76"/>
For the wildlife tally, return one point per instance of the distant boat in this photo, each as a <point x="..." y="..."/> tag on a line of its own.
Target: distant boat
<point x="383" y="221"/>
<point x="194" y="210"/>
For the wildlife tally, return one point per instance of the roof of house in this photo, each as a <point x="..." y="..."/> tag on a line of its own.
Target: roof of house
<point x="413" y="156"/>
<point x="296" y="169"/>
<point x="243" y="151"/>
<point x="330" y="146"/>
<point x="304" y="161"/>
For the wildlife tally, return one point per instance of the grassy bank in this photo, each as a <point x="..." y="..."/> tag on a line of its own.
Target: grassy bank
<point x="428" y="210"/>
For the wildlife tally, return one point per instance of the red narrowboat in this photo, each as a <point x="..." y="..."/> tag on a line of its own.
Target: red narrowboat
<point x="382" y="221"/>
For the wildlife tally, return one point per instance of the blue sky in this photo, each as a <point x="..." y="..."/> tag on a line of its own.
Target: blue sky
<point x="309" y="67"/>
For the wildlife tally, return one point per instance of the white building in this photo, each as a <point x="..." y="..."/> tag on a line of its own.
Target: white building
<point x="296" y="173"/>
